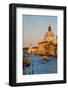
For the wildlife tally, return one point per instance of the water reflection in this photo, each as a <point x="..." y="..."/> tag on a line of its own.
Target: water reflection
<point x="36" y="65"/>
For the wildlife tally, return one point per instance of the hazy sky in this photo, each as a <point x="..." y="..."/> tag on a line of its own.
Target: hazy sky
<point x="35" y="28"/>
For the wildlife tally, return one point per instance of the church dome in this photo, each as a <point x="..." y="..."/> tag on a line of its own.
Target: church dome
<point x="50" y="36"/>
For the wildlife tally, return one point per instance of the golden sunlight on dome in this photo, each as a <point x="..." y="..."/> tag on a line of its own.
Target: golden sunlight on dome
<point x="49" y="35"/>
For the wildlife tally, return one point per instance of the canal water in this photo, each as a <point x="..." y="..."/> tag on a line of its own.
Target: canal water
<point x="40" y="66"/>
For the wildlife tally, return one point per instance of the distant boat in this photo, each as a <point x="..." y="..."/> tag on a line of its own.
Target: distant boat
<point x="45" y="57"/>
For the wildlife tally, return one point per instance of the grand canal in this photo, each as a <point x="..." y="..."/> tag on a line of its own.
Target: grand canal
<point x="39" y="66"/>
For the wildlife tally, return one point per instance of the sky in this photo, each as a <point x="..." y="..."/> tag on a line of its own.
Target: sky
<point x="35" y="27"/>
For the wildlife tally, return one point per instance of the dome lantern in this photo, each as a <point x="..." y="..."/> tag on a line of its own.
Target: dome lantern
<point x="49" y="28"/>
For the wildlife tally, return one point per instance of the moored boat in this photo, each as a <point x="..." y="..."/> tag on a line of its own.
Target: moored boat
<point x="26" y="61"/>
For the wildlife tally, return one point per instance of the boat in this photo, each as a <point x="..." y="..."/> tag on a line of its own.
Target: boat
<point x="26" y="61"/>
<point x="45" y="57"/>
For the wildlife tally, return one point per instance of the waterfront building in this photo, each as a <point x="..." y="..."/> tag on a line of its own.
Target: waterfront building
<point x="32" y="50"/>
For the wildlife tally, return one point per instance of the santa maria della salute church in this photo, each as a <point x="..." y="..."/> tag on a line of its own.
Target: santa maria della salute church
<point x="47" y="47"/>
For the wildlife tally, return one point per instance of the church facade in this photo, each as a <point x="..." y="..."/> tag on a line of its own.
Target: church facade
<point x="47" y="47"/>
